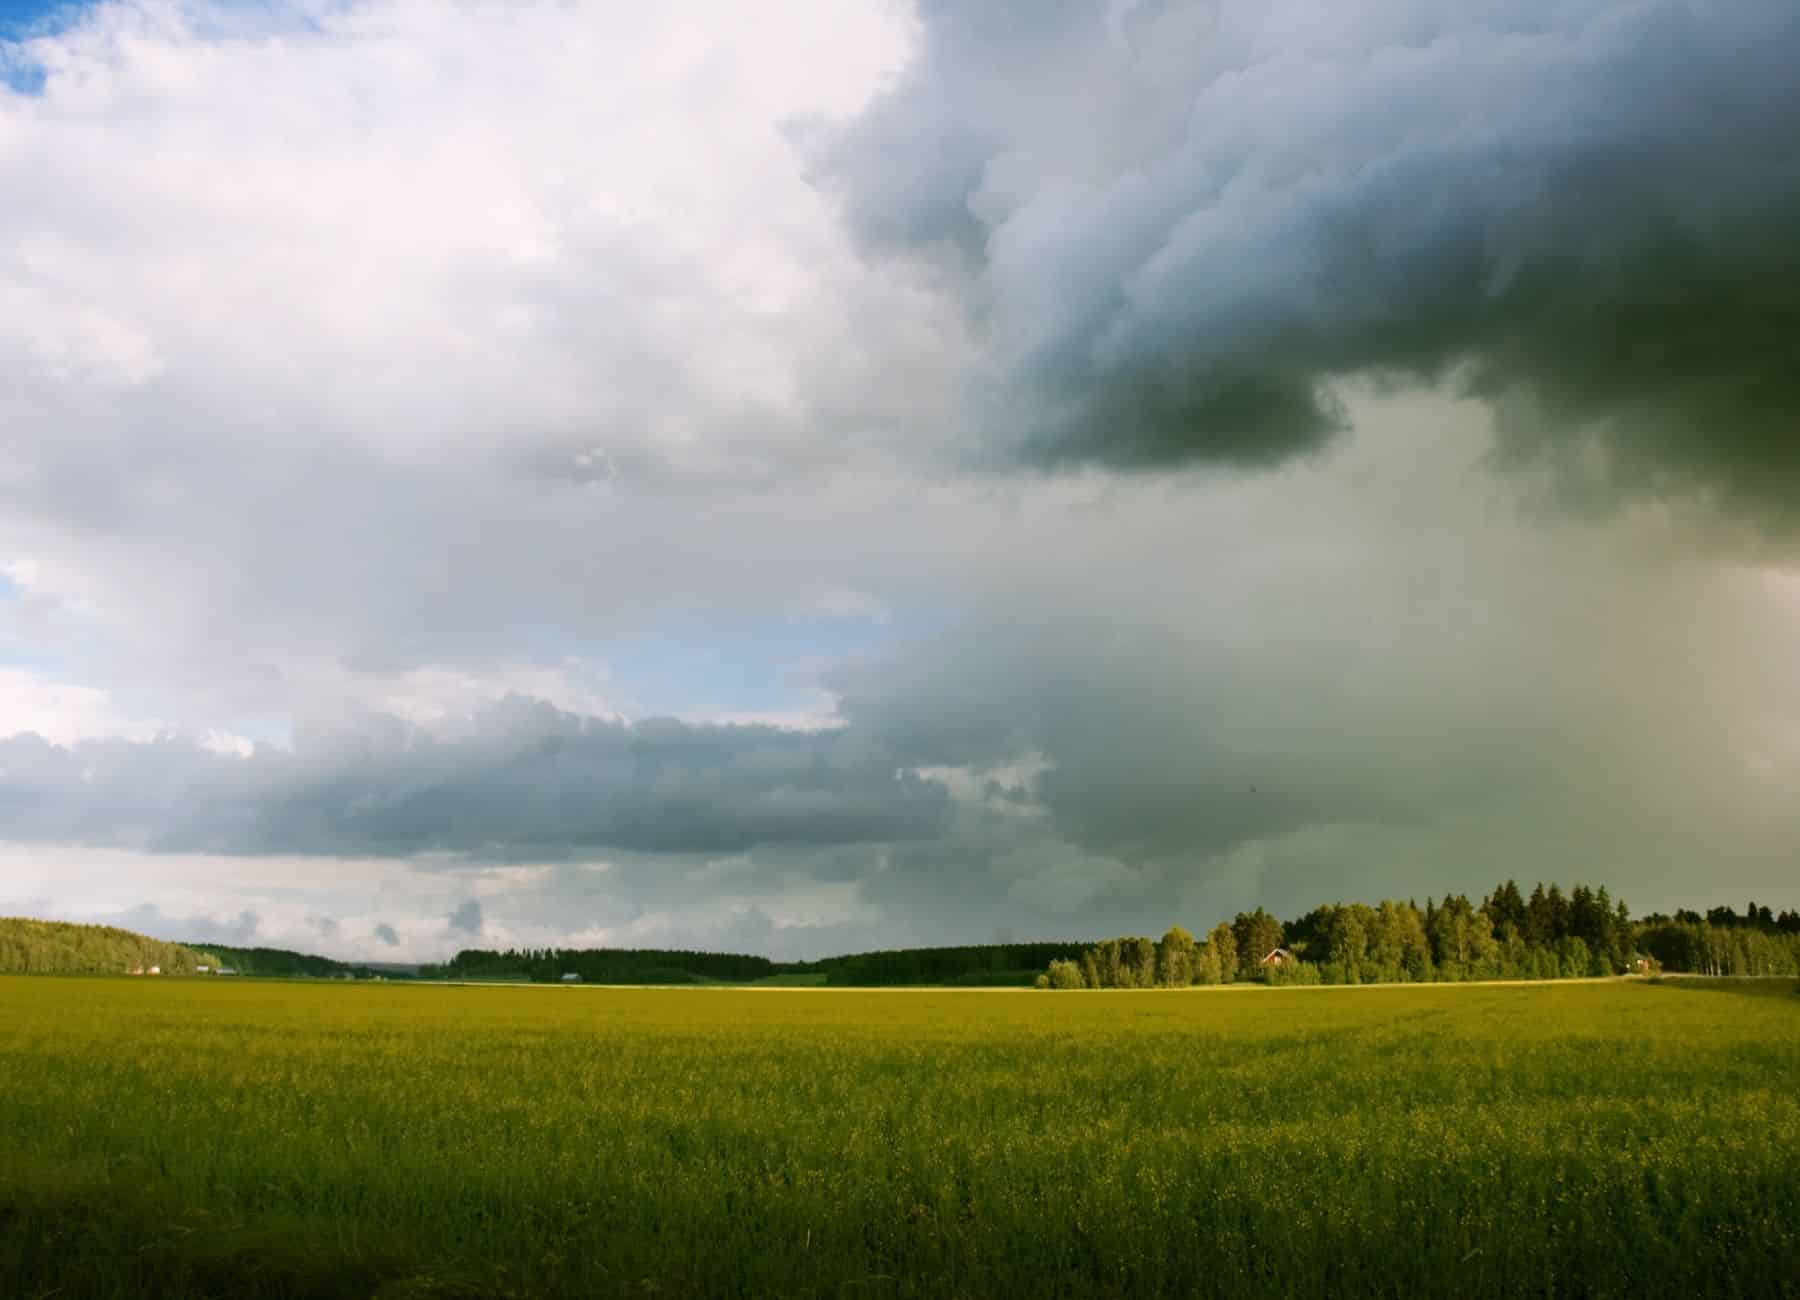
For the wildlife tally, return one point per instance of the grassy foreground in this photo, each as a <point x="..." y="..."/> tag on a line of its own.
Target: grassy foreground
<point x="193" y="1138"/>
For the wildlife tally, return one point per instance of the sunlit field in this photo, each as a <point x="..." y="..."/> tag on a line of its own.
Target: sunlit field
<point x="196" y="1138"/>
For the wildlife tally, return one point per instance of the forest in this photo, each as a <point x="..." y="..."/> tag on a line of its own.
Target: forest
<point x="972" y="965"/>
<point x="1549" y="935"/>
<point x="32" y="947"/>
<point x="57" y="947"/>
<point x="601" y="965"/>
<point x="997" y="964"/>
<point x="283" y="963"/>
<point x="1507" y="935"/>
<point x="1723" y="942"/>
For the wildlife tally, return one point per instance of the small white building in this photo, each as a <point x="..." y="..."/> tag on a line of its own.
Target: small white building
<point x="154" y="970"/>
<point x="225" y="970"/>
<point x="202" y="970"/>
<point x="571" y="977"/>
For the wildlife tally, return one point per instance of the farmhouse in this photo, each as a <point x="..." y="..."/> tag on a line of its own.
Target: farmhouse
<point x="1277" y="957"/>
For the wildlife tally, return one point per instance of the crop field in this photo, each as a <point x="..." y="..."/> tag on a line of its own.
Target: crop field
<point x="207" y="1138"/>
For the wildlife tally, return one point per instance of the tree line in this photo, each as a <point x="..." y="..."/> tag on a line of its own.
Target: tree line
<point x="972" y="964"/>
<point x="1507" y="935"/>
<point x="1722" y="942"/>
<point x="601" y="965"/>
<point x="283" y="963"/>
<point x="32" y="947"/>
<point x="1754" y="917"/>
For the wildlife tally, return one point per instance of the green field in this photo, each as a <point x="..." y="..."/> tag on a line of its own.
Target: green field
<point x="195" y="1138"/>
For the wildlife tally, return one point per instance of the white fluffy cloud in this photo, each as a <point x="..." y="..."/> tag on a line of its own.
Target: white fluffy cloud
<point x="61" y="713"/>
<point x="366" y="336"/>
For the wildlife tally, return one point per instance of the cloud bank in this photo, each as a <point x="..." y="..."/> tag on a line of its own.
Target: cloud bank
<point x="1184" y="222"/>
<point x="1333" y="709"/>
<point x="518" y="780"/>
<point x="410" y="410"/>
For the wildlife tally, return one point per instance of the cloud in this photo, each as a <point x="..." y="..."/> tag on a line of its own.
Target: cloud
<point x="147" y="918"/>
<point x="466" y="919"/>
<point x="1362" y="676"/>
<point x="392" y="399"/>
<point x="519" y="779"/>
<point x="1272" y="691"/>
<point x="63" y="713"/>
<point x="1182" y="224"/>
<point x="345" y="356"/>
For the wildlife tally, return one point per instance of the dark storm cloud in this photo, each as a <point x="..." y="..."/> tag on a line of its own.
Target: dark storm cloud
<point x="519" y="779"/>
<point x="466" y="919"/>
<point x="388" y="935"/>
<point x="1160" y="740"/>
<point x="1183" y="222"/>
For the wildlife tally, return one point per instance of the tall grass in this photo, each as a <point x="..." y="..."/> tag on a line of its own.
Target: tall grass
<point x="192" y="1138"/>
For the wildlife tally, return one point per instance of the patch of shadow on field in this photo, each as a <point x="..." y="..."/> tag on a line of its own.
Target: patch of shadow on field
<point x="1763" y="986"/>
<point x="61" y="1236"/>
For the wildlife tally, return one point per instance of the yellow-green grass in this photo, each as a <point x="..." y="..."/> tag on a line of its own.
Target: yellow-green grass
<point x="196" y="1138"/>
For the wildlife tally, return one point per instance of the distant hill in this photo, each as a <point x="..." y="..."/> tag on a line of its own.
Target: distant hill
<point x="604" y="966"/>
<point x="281" y="962"/>
<point x="996" y="965"/>
<point x="63" y="948"/>
<point x="28" y="946"/>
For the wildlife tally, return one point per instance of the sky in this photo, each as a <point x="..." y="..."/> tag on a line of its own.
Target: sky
<point x="855" y="473"/>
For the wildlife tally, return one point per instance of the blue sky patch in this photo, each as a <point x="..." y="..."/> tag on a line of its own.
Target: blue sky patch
<point x="21" y="78"/>
<point x="20" y="19"/>
<point x="764" y="666"/>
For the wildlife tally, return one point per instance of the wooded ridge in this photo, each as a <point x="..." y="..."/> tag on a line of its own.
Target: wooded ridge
<point x="1547" y="935"/>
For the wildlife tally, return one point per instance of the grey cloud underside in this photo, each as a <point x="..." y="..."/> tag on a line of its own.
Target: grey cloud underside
<point x="1182" y="223"/>
<point x="1390" y="687"/>
<point x="466" y="919"/>
<point x="519" y="780"/>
